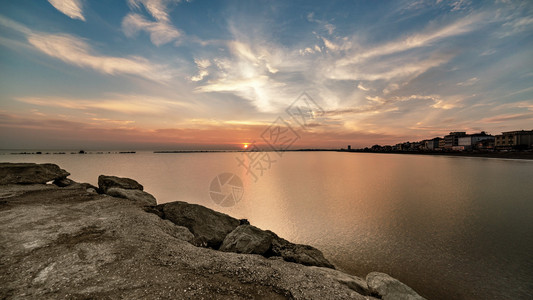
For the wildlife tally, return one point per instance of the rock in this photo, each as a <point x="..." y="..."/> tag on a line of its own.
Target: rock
<point x="91" y="190"/>
<point x="355" y="283"/>
<point x="179" y="232"/>
<point x="208" y="226"/>
<point x="389" y="288"/>
<point x="302" y="254"/>
<point x="63" y="182"/>
<point x="106" y="182"/>
<point x="30" y="173"/>
<point x="139" y="197"/>
<point x="247" y="239"/>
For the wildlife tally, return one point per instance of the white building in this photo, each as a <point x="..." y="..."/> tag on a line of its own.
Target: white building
<point x="471" y="139"/>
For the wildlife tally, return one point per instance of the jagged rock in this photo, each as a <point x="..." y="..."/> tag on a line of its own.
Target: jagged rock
<point x="247" y="239"/>
<point x="140" y="197"/>
<point x="30" y="173"/>
<point x="208" y="226"/>
<point x="63" y="182"/>
<point x="389" y="288"/>
<point x="250" y="239"/>
<point x="353" y="282"/>
<point x="302" y="254"/>
<point x="106" y="182"/>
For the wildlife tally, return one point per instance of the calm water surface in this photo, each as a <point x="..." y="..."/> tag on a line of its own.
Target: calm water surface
<point x="450" y="227"/>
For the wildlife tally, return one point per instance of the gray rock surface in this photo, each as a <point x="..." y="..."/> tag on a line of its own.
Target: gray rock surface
<point x="66" y="243"/>
<point x="302" y="254"/>
<point x="137" y="196"/>
<point x="105" y="182"/>
<point x="30" y="173"/>
<point x="63" y="182"/>
<point x="247" y="239"/>
<point x="208" y="226"/>
<point x="389" y="288"/>
<point x="355" y="283"/>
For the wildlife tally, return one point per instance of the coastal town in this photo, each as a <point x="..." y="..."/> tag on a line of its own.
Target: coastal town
<point x="460" y="141"/>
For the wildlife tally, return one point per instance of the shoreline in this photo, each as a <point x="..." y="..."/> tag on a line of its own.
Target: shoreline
<point x="521" y="155"/>
<point x="500" y="155"/>
<point x="75" y="240"/>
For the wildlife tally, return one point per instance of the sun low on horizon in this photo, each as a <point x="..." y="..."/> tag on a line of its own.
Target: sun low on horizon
<point x="149" y="74"/>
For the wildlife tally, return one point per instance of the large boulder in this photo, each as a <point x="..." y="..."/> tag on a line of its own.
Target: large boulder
<point x="252" y="240"/>
<point x="302" y="254"/>
<point x="30" y="173"/>
<point x="208" y="226"/>
<point x="389" y="288"/>
<point x="141" y="198"/>
<point x="247" y="239"/>
<point x="106" y="182"/>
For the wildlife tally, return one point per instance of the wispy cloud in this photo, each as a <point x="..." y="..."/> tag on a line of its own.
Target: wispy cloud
<point x="326" y="25"/>
<point x="362" y="87"/>
<point x="468" y="82"/>
<point x="124" y="104"/>
<point x="161" y="30"/>
<point x="417" y="40"/>
<point x="156" y="8"/>
<point x="76" y="51"/>
<point x="71" y="8"/>
<point x="202" y="65"/>
<point x="507" y="117"/>
<point x="248" y="73"/>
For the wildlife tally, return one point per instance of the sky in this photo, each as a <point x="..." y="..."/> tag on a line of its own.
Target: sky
<point x="165" y="74"/>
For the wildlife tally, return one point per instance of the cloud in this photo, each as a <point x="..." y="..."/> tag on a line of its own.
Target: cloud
<point x="14" y="25"/>
<point x="330" y="28"/>
<point x="124" y="104"/>
<point x="330" y="45"/>
<point x="161" y="30"/>
<point x="516" y="25"/>
<point x="418" y="40"/>
<point x="507" y="117"/>
<point x="77" y="52"/>
<point x="156" y="8"/>
<point x="459" y="5"/>
<point x="248" y="73"/>
<point x="387" y="69"/>
<point x="468" y="82"/>
<point x="202" y="65"/>
<point x="361" y="87"/>
<point x="71" y="8"/>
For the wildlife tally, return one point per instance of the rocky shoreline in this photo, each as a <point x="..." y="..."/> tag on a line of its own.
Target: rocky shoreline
<point x="62" y="239"/>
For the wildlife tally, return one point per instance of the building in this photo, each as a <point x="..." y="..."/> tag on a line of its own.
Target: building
<point x="452" y="139"/>
<point x="521" y="139"/>
<point x="470" y="140"/>
<point x="433" y="144"/>
<point x="485" y="145"/>
<point x="442" y="143"/>
<point x="403" y="146"/>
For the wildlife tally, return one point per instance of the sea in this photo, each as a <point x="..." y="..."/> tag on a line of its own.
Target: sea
<point x="449" y="227"/>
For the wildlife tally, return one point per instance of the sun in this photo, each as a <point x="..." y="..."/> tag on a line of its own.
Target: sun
<point x="245" y="146"/>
